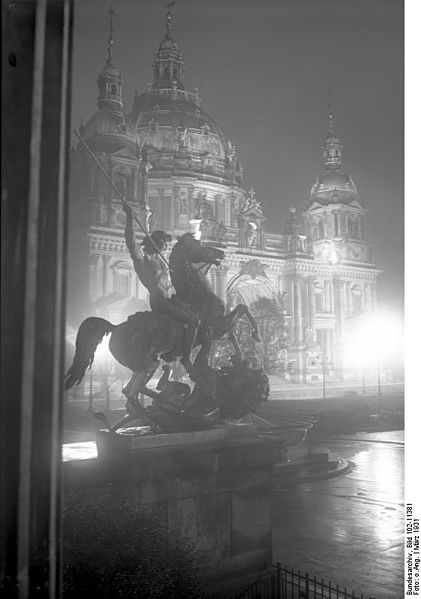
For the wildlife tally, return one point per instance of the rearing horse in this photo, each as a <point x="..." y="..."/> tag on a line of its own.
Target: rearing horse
<point x="145" y="337"/>
<point x="192" y="287"/>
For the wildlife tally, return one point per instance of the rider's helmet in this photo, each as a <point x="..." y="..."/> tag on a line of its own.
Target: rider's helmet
<point x="159" y="238"/>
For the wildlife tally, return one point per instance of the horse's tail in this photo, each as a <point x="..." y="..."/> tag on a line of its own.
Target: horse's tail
<point x="89" y="335"/>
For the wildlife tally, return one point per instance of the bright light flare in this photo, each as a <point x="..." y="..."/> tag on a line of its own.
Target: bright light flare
<point x="102" y="352"/>
<point x="374" y="338"/>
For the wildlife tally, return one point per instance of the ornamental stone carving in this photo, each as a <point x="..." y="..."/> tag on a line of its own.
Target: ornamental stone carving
<point x="253" y="268"/>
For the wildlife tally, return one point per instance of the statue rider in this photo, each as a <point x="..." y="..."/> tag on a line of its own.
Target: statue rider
<point x="154" y="274"/>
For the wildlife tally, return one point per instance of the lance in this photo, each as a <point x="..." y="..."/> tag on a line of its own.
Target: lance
<point x="119" y="193"/>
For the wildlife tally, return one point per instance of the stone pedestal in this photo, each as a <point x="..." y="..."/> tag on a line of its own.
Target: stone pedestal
<point x="216" y="492"/>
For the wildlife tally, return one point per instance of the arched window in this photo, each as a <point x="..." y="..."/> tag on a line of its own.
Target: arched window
<point x="319" y="297"/>
<point x="114" y="89"/>
<point x="121" y="279"/>
<point x="356" y="299"/>
<point x="336" y="223"/>
<point x="318" y="229"/>
<point x="353" y="227"/>
<point x="183" y="205"/>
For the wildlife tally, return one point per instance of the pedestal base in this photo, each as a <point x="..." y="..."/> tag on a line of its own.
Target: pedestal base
<point x="211" y="487"/>
<point x="132" y="439"/>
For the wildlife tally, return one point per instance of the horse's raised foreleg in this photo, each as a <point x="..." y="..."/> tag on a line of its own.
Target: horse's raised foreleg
<point x="254" y="328"/>
<point x="228" y="322"/>
<point x="232" y="337"/>
<point x="136" y="385"/>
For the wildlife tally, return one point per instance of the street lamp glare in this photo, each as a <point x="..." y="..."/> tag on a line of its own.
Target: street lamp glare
<point x="102" y="352"/>
<point x="373" y="338"/>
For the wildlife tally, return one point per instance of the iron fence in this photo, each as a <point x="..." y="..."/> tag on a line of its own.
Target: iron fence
<point x="282" y="582"/>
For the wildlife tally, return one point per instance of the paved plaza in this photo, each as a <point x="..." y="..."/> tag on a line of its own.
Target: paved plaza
<point x="349" y="529"/>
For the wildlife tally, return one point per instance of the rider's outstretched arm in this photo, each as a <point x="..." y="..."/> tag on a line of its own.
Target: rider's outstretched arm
<point x="130" y="234"/>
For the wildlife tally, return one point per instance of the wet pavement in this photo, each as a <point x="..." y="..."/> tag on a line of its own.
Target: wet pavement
<point x="348" y="529"/>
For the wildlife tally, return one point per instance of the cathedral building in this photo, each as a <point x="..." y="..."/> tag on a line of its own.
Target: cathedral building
<point x="180" y="173"/>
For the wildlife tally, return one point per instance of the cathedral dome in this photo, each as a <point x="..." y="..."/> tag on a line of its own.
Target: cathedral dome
<point x="110" y="70"/>
<point x="171" y="123"/>
<point x="168" y="119"/>
<point x="334" y="180"/>
<point x="333" y="185"/>
<point x="107" y="130"/>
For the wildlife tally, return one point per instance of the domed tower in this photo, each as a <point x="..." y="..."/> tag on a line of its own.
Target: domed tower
<point x="334" y="214"/>
<point x="343" y="285"/>
<point x="107" y="131"/>
<point x="96" y="215"/>
<point x="169" y="64"/>
<point x="194" y="170"/>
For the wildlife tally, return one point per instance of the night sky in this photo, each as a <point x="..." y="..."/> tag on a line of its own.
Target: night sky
<point x="267" y="71"/>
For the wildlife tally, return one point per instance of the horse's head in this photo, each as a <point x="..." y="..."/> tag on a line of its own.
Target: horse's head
<point x="195" y="252"/>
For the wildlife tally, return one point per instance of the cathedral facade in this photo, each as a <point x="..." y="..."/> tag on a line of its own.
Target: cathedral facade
<point x="175" y="167"/>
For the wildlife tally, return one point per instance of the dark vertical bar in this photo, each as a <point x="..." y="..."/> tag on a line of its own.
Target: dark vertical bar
<point x="292" y="582"/>
<point x="330" y="590"/>
<point x="36" y="102"/>
<point x="17" y="89"/>
<point x="46" y="414"/>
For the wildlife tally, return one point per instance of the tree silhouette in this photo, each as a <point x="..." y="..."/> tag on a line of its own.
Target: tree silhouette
<point x="270" y="316"/>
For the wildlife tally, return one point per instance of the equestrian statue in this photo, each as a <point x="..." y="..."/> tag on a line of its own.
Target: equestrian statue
<point x="177" y="323"/>
<point x="191" y="317"/>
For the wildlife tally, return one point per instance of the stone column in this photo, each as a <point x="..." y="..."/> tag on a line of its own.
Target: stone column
<point x="171" y="214"/>
<point x="298" y="314"/>
<point x="311" y="302"/>
<point x="221" y="282"/>
<point x="132" y="284"/>
<point x="340" y="311"/>
<point x="298" y="346"/>
<point x="374" y="295"/>
<point x="348" y="298"/>
<point x="108" y="276"/>
<point x="305" y="303"/>
<point x="326" y="298"/>
<point x="93" y="281"/>
<point x="100" y="276"/>
<point x="367" y="295"/>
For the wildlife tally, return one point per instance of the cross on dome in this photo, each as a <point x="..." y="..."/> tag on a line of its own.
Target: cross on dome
<point x="111" y="12"/>
<point x="169" y="18"/>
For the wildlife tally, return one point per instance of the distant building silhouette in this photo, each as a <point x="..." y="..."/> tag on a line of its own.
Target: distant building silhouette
<point x="174" y="165"/>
